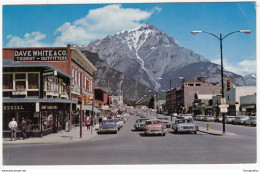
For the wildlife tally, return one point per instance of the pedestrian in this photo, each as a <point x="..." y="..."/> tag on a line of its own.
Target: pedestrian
<point x="13" y="126"/>
<point x="88" y="123"/>
<point x="24" y="128"/>
<point x="100" y="120"/>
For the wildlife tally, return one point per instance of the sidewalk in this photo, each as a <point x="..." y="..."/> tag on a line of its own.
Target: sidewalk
<point x="60" y="137"/>
<point x="215" y="132"/>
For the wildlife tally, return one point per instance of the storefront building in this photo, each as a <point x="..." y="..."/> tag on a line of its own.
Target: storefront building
<point x="39" y="85"/>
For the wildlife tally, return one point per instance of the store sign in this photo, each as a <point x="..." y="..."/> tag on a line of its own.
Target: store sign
<point x="13" y="107"/>
<point x="49" y="107"/>
<point x="51" y="73"/>
<point x="41" y="54"/>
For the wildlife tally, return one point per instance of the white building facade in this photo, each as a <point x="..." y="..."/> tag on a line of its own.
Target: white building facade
<point x="233" y="96"/>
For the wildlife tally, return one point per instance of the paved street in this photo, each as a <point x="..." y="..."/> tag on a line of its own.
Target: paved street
<point x="131" y="147"/>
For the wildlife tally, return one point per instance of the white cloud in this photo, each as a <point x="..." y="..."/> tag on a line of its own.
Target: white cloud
<point x="101" y="22"/>
<point x="241" y="68"/>
<point x="97" y="24"/>
<point x="33" y="39"/>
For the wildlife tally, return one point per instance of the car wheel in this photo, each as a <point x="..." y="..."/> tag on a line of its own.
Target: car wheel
<point x="195" y="132"/>
<point x="115" y="132"/>
<point x="245" y="123"/>
<point x="163" y="134"/>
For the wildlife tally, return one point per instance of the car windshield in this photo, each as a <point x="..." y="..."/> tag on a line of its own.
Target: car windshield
<point x="184" y="121"/>
<point x="108" y="122"/>
<point x="153" y="122"/>
<point x="141" y="120"/>
<point x="164" y="119"/>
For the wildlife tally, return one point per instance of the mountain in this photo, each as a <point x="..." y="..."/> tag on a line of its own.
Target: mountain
<point x="250" y="79"/>
<point x="115" y="82"/>
<point x="210" y="71"/>
<point x="147" y="54"/>
<point x="144" y="53"/>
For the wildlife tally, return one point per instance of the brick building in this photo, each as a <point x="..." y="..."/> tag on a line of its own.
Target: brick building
<point x="43" y="85"/>
<point x="181" y="99"/>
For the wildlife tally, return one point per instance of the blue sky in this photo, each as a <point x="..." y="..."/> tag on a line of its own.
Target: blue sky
<point x="58" y="25"/>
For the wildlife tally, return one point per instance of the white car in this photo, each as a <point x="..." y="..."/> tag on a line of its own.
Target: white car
<point x="209" y="118"/>
<point x="250" y="121"/>
<point x="199" y="117"/>
<point x="229" y="119"/>
<point x="240" y="119"/>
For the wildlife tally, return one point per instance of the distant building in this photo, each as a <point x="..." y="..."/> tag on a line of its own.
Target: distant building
<point x="116" y="100"/>
<point x="233" y="96"/>
<point x="182" y="99"/>
<point x="101" y="98"/>
<point x="248" y="104"/>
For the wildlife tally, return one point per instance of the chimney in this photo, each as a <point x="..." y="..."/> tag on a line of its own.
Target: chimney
<point x="202" y="79"/>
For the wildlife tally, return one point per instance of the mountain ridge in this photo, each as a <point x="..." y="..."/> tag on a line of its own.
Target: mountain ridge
<point x="144" y="53"/>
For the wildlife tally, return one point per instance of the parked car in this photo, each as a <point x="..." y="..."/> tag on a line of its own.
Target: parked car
<point x="184" y="116"/>
<point x="208" y="118"/>
<point x="142" y="116"/>
<point x="229" y="119"/>
<point x="185" y="125"/>
<point x="199" y="117"/>
<point x="140" y="123"/>
<point x="250" y="121"/>
<point x="108" y="126"/>
<point x="165" y="113"/>
<point x="118" y="122"/>
<point x="155" y="126"/>
<point x="219" y="118"/>
<point x="166" y="121"/>
<point x="240" y="119"/>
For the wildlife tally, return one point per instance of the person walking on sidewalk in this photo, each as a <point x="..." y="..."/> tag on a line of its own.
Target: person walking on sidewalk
<point x="24" y="128"/>
<point x="88" y="123"/>
<point x="13" y="126"/>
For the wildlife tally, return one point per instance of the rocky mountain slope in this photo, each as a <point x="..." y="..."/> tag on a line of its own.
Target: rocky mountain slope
<point x="207" y="69"/>
<point x="250" y="79"/>
<point x="115" y="82"/>
<point x="144" y="53"/>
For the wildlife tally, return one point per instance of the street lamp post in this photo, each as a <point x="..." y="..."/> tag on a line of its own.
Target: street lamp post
<point x="222" y="77"/>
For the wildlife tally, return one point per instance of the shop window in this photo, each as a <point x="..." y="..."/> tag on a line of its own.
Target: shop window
<point x="73" y="80"/>
<point x="47" y="120"/>
<point x="49" y="83"/>
<point x="33" y="81"/>
<point x="20" y="85"/>
<point x="20" y="76"/>
<point x="33" y="93"/>
<point x="7" y="81"/>
<point x="7" y="94"/>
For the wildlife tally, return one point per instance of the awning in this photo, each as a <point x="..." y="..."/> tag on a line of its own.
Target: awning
<point x="44" y="100"/>
<point x="89" y="108"/>
<point x="248" y="106"/>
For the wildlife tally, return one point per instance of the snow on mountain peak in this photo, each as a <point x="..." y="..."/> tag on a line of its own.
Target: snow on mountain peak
<point x="137" y="36"/>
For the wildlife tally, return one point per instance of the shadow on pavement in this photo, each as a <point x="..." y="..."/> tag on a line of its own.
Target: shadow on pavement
<point x="133" y="130"/>
<point x="146" y="135"/>
<point x="185" y="133"/>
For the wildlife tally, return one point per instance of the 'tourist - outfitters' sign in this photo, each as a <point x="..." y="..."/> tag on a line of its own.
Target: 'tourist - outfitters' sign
<point x="59" y="54"/>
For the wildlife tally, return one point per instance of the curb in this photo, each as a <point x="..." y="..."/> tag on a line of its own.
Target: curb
<point x="215" y="134"/>
<point x="48" y="142"/>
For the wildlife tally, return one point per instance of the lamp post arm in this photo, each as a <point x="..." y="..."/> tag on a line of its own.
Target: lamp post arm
<point x="230" y="34"/>
<point x="211" y="34"/>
